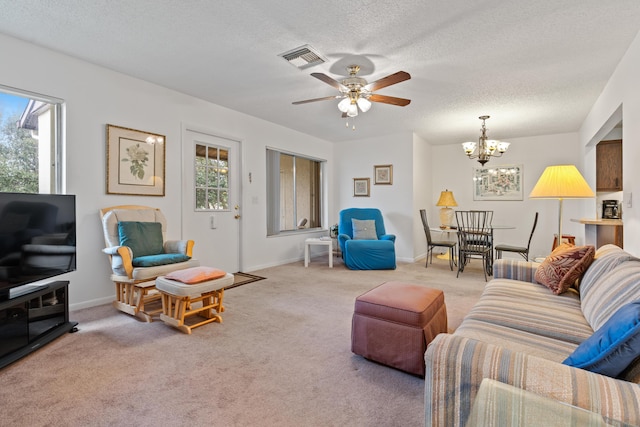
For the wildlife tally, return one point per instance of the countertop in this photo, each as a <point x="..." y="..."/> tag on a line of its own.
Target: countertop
<point x="596" y="221"/>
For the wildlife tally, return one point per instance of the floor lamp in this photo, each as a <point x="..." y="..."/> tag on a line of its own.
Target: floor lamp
<point x="561" y="182"/>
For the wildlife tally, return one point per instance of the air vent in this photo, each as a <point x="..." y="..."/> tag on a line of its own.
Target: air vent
<point x="303" y="57"/>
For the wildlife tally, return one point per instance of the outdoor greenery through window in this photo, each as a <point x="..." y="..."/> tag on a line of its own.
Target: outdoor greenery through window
<point x="30" y="158"/>
<point x="293" y="192"/>
<point x="212" y="177"/>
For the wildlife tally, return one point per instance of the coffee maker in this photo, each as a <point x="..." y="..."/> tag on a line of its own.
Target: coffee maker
<point x="610" y="209"/>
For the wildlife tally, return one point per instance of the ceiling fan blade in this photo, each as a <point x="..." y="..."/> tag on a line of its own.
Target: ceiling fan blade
<point x="401" y="102"/>
<point x="317" y="99"/>
<point x="392" y="79"/>
<point x="331" y="82"/>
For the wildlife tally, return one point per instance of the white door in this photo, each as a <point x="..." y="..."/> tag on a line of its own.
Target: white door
<point x="211" y="199"/>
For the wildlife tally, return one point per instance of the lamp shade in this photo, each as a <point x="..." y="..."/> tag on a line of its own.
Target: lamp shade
<point x="446" y="199"/>
<point x="561" y="182"/>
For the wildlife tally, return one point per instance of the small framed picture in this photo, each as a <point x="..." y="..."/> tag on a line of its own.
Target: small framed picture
<point x="383" y="174"/>
<point x="360" y="187"/>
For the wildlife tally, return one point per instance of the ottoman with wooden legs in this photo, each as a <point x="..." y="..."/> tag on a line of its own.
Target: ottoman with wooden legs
<point x="190" y="292"/>
<point x="393" y="323"/>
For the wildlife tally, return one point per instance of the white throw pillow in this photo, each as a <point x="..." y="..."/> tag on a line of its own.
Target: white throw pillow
<point x="364" y="229"/>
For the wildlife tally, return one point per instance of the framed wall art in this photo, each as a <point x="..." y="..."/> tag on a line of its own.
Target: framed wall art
<point x="383" y="174"/>
<point x="497" y="182"/>
<point x="360" y="187"/>
<point x="135" y="162"/>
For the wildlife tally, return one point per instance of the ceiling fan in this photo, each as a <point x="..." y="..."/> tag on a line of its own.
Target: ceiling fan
<point x="356" y="93"/>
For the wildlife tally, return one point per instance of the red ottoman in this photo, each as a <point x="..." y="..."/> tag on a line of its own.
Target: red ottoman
<point x="393" y="323"/>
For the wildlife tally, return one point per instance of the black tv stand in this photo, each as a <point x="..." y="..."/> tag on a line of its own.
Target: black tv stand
<point x="33" y="317"/>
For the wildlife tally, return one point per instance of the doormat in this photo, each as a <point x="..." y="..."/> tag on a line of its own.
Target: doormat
<point x="243" y="278"/>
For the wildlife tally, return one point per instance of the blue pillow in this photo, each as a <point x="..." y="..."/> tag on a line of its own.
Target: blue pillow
<point x="612" y="347"/>
<point x="144" y="238"/>
<point x="162" y="259"/>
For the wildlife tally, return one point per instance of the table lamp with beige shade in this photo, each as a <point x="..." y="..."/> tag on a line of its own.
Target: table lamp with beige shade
<point x="446" y="213"/>
<point x="561" y="182"/>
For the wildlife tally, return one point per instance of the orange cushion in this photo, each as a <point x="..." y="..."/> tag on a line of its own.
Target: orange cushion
<point x="196" y="275"/>
<point x="564" y="266"/>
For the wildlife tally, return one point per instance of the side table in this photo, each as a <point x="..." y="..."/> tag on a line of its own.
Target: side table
<point x="321" y="242"/>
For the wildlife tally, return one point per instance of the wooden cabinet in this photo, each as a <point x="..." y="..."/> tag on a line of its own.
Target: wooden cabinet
<point x="609" y="165"/>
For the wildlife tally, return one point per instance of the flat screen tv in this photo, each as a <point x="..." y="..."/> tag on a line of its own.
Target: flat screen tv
<point x="37" y="238"/>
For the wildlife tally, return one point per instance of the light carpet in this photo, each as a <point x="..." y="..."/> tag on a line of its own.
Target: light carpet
<point x="281" y="357"/>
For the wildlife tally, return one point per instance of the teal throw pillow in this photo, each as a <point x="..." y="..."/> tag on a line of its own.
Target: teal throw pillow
<point x="162" y="259"/>
<point x="144" y="238"/>
<point x="364" y="229"/>
<point x="613" y="347"/>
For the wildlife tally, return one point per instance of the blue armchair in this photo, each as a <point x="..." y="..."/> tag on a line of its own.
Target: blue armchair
<point x="363" y="240"/>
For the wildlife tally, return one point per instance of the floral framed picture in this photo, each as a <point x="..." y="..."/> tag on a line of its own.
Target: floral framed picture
<point x="383" y="174"/>
<point x="135" y="162"/>
<point x="497" y="182"/>
<point x="360" y="187"/>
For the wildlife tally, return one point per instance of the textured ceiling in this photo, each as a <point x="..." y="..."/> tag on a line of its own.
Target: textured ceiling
<point x="536" y="67"/>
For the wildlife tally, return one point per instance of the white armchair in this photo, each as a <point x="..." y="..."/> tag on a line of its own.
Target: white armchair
<point x="134" y="273"/>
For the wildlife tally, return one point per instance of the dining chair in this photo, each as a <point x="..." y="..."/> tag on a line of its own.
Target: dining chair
<point x="436" y="243"/>
<point x="474" y="239"/>
<point x="523" y="251"/>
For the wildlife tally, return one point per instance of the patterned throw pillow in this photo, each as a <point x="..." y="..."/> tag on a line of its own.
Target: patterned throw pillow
<point x="564" y="266"/>
<point x="364" y="229"/>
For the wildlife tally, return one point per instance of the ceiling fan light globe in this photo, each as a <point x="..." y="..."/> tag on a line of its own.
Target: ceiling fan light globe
<point x="352" y="111"/>
<point x="364" y="104"/>
<point x="344" y="105"/>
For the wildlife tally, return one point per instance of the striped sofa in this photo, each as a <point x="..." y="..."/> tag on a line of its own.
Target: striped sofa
<point x="519" y="333"/>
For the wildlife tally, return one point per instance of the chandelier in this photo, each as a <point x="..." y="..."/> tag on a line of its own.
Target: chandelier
<point x="485" y="148"/>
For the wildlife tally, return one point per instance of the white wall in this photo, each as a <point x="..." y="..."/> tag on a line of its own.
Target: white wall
<point x="422" y="192"/>
<point x="452" y="170"/>
<point x="620" y="99"/>
<point x="94" y="97"/>
<point x="356" y="159"/>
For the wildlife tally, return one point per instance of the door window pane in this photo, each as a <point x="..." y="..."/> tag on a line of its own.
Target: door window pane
<point x="212" y="177"/>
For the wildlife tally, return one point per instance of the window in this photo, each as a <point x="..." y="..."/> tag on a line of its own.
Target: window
<point x="212" y="177"/>
<point x="30" y="143"/>
<point x="293" y="192"/>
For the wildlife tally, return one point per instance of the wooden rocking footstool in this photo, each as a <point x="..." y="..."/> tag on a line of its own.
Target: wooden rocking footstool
<point x="182" y="289"/>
